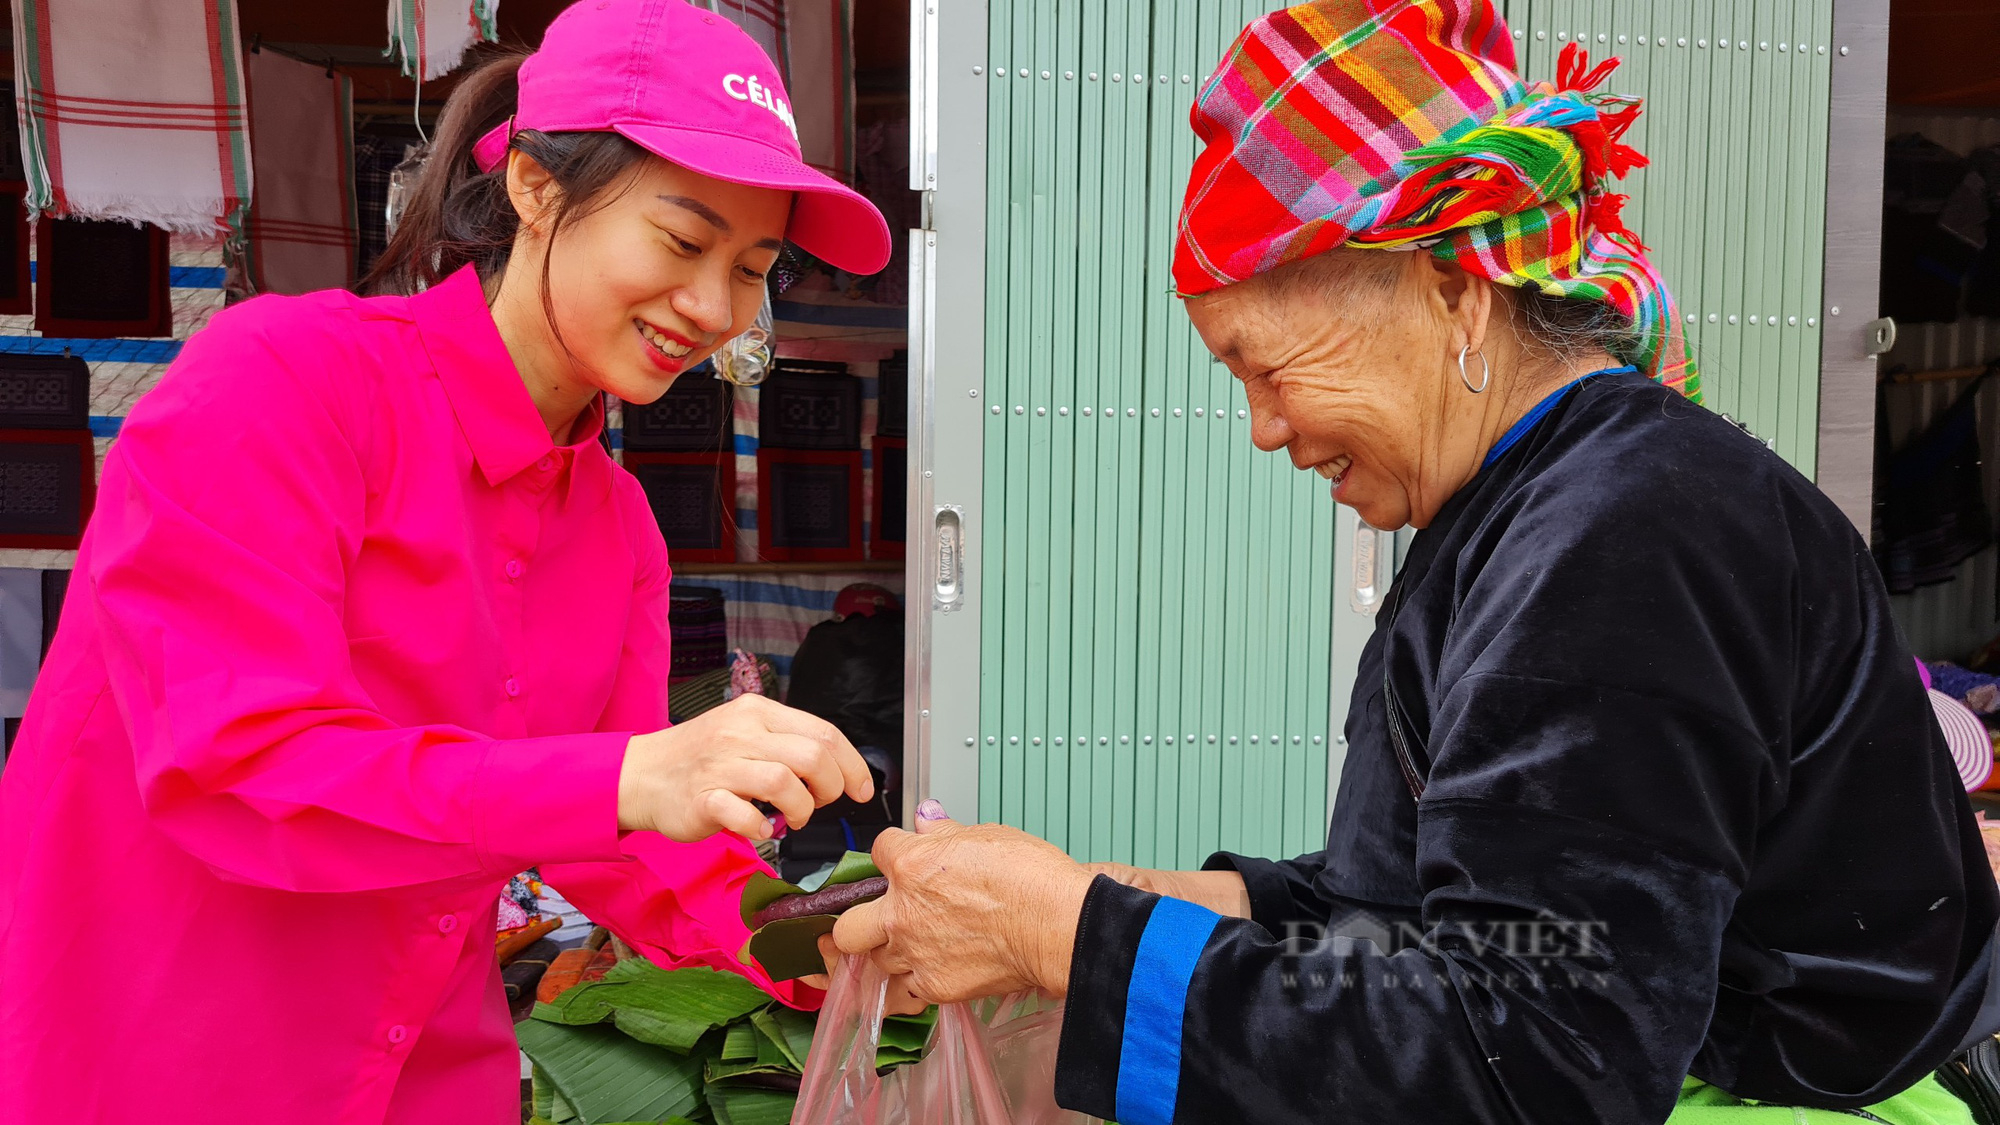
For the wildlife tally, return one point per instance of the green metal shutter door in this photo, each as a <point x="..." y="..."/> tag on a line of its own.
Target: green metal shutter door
<point x="1157" y="598"/>
<point x="1156" y="594"/>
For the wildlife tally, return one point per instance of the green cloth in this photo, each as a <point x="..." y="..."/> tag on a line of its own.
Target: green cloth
<point x="1925" y="1103"/>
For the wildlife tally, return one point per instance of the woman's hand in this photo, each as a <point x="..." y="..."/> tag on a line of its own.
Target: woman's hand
<point x="1220" y="891"/>
<point x="972" y="910"/>
<point x="690" y="781"/>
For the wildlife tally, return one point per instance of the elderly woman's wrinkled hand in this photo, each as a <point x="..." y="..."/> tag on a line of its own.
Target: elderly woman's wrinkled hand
<point x="973" y="910"/>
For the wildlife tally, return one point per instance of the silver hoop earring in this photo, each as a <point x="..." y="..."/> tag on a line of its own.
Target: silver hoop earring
<point x="1485" y="371"/>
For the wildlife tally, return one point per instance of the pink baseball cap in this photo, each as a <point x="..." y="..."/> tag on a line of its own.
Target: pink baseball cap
<point x="688" y="86"/>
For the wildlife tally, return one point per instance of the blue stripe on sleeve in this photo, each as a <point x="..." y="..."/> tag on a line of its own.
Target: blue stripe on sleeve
<point x="1149" y="1063"/>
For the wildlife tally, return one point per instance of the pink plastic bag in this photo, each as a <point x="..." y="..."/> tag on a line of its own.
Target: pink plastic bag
<point x="996" y="1070"/>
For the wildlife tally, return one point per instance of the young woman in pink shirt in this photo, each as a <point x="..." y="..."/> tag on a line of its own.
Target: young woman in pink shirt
<point x="367" y="621"/>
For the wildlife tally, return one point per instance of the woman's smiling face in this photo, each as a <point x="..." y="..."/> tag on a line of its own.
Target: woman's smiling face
<point x="1346" y="378"/>
<point x="666" y="270"/>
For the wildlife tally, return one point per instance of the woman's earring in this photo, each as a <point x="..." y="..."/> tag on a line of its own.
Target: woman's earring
<point x="1485" y="371"/>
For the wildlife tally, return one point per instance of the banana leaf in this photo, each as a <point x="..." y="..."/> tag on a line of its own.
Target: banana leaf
<point x="667" y="1008"/>
<point x="750" y="1105"/>
<point x="786" y="1032"/>
<point x="605" y="1077"/>
<point x="739" y="1041"/>
<point x="789" y="949"/>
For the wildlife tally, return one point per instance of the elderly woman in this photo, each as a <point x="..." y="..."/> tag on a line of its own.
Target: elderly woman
<point x="1644" y="811"/>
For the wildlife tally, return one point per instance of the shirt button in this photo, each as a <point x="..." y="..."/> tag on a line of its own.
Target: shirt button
<point x="513" y="568"/>
<point x="398" y="1033"/>
<point x="448" y="923"/>
<point x="546" y="463"/>
<point x="513" y="687"/>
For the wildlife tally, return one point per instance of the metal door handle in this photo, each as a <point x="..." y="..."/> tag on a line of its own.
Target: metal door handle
<point x="948" y="591"/>
<point x="1364" y="595"/>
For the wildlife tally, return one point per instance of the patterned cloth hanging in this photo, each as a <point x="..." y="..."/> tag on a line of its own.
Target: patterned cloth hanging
<point x="819" y="63"/>
<point x="435" y="34"/>
<point x="133" y="110"/>
<point x="1402" y="123"/>
<point x="302" y="232"/>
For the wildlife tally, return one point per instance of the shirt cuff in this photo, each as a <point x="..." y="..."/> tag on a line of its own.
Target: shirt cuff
<point x="1135" y="955"/>
<point x="548" y="800"/>
<point x="1272" y="903"/>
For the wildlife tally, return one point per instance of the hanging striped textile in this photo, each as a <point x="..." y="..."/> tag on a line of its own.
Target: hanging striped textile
<point x="303" y="233"/>
<point x="435" y="34"/>
<point x="133" y="110"/>
<point x="819" y="59"/>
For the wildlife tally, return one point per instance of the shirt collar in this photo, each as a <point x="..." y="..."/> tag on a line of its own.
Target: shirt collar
<point x="487" y="393"/>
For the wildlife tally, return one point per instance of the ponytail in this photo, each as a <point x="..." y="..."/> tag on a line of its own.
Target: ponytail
<point x="458" y="215"/>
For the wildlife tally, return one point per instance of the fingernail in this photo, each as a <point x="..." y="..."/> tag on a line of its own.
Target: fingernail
<point x="932" y="809"/>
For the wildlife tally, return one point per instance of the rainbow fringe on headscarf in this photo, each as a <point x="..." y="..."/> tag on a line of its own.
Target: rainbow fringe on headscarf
<point x="1385" y="123"/>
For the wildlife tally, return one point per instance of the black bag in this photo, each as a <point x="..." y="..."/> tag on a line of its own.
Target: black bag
<point x="850" y="673"/>
<point x="1974" y="1078"/>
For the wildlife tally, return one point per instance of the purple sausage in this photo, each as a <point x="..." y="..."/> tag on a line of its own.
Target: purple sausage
<point x="829" y="900"/>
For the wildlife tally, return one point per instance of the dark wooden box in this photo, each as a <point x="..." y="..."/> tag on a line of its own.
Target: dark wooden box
<point x="693" y="496"/>
<point x="892" y="396"/>
<point x="809" y="505"/>
<point x="48" y="486"/>
<point x="696" y="415"/>
<point x="44" y="392"/>
<point x="892" y="489"/>
<point x="17" y="285"/>
<point x="810" y="406"/>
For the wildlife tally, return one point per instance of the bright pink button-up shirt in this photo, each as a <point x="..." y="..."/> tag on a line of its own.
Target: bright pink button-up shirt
<point x="340" y="634"/>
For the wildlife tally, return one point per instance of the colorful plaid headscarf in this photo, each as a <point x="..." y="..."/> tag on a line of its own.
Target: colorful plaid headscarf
<point x="1400" y="123"/>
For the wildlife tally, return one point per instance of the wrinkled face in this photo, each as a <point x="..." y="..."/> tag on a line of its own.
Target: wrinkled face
<point x="1349" y="389"/>
<point x="669" y="268"/>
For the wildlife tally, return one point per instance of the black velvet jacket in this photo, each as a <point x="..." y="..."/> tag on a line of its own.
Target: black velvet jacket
<point x="1685" y="810"/>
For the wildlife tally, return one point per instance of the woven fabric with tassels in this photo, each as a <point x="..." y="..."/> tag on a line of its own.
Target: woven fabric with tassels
<point x="1398" y="123"/>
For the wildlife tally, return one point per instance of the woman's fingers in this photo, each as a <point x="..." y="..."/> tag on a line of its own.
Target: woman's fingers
<point x="775" y="784"/>
<point x="811" y="760"/>
<point x="731" y="813"/>
<point x="862" y="928"/>
<point x="852" y="773"/>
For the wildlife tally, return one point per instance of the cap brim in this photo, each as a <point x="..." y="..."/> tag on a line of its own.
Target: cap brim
<point x="1971" y="746"/>
<point x="830" y="220"/>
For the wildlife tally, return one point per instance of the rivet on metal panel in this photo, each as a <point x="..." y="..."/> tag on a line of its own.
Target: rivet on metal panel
<point x="973" y="393"/>
<point x="1232" y="740"/>
<point x="996" y="408"/>
<point x="1190" y="738"/>
<point x="1020" y="410"/>
<point x="1131" y="412"/>
<point x="979" y="70"/>
<point x="1690" y="318"/>
<point x="1601" y="38"/>
<point x="1041" y="411"/>
<point x="971" y="741"/>
<point x="1784" y="47"/>
<point x="1211" y="739"/>
<point x="1148" y="740"/>
<point x="1742" y="44"/>
<point x="1518" y="33"/>
<point x="1318" y="738"/>
<point x="1642" y="41"/>
<point x="1792" y="320"/>
<point x="1660" y="41"/>
<point x="1771" y="321"/>
<point x="1069" y="75"/>
<point x="1541" y="35"/>
<point x="1093" y="76"/>
<point x="998" y="74"/>
<point x="1169" y="740"/>
<point x="1712" y="318"/>
<point x="1124" y="740"/>
<point x="1843" y="52"/>
<point x="1013" y="740"/>
<point x="1103" y="741"/>
<point x="1763" y="44"/>
<point x="1086" y="412"/>
<point x="1243" y="414"/>
<point x="1186" y="78"/>
<point x="1722" y="43"/>
<point x="1753" y="318"/>
<point x="1138" y="78"/>
<point x="1621" y="39"/>
<point x="1037" y="740"/>
<point x="1177" y="411"/>
<point x="1812" y="322"/>
<point x="925" y="713"/>
<point x="1732" y="318"/>
<point x="1046" y="76"/>
<point x="1156" y="412"/>
<point x="1295" y="740"/>
<point x="990" y="740"/>
<point x="1681" y="42"/>
<point x="1059" y="740"/>
<point x="1835" y="310"/>
<point x="1562" y="36"/>
<point x="1339" y="740"/>
<point x="1702" y="43"/>
<point x="1253" y="740"/>
<point x="1119" y="77"/>
<point x="1024" y="72"/>
<point x="1163" y="79"/>
<point x="1063" y="411"/>
<point x="1822" y="48"/>
<point x="927" y="474"/>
